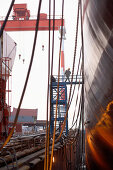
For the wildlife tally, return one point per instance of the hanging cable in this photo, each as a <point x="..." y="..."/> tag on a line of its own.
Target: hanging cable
<point x="78" y="114"/>
<point x="76" y="104"/>
<point x="47" y="140"/>
<point x="27" y="77"/>
<point x="67" y="140"/>
<point x="76" y="100"/>
<point x="74" y="90"/>
<point x="80" y="121"/>
<point x="6" y="18"/>
<point x="76" y="78"/>
<point x="51" y="159"/>
<point x="82" y="39"/>
<point x="72" y="73"/>
<point x="82" y="94"/>
<point x="73" y="64"/>
<point x="51" y="77"/>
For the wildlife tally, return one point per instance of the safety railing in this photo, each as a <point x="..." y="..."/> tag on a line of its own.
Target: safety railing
<point x="76" y="78"/>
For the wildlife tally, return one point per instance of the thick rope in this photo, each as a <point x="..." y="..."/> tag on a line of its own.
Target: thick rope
<point x="6" y="18"/>
<point x="51" y="159"/>
<point x="72" y="74"/>
<point x="46" y="161"/>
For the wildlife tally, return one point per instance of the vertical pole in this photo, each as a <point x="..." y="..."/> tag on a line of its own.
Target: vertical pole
<point x="1" y="89"/>
<point x="62" y="51"/>
<point x="64" y="97"/>
<point x="0" y="49"/>
<point x="82" y="83"/>
<point x="4" y="107"/>
<point x="0" y="45"/>
<point x="52" y="111"/>
<point x="66" y="109"/>
<point x="62" y="61"/>
<point x="8" y="80"/>
<point x="1" y="115"/>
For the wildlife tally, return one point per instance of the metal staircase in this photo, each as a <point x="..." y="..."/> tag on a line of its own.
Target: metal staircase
<point x="62" y="101"/>
<point x="62" y="106"/>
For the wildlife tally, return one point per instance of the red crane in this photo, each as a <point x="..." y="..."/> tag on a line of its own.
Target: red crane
<point x="21" y="20"/>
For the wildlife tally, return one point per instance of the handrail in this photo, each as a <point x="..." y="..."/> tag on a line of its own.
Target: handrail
<point x="32" y="17"/>
<point x="76" y="78"/>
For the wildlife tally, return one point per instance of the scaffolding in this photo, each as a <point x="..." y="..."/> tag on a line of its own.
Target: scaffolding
<point x="4" y="91"/>
<point x="62" y="101"/>
<point x="62" y="106"/>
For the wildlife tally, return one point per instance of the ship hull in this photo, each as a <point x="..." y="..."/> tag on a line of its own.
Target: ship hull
<point x="98" y="49"/>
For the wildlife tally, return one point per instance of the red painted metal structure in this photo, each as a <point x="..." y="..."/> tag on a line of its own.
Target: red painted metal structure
<point x="20" y="11"/>
<point x="4" y="108"/>
<point x="22" y="22"/>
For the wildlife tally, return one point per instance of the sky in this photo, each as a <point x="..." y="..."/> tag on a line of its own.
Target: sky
<point x="36" y="92"/>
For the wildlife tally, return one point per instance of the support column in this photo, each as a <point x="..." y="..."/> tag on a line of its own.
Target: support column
<point x="62" y="51"/>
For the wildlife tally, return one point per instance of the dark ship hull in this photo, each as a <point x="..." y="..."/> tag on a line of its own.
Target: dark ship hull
<point x="98" y="46"/>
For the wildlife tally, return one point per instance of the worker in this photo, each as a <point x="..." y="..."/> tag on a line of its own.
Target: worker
<point x="23" y="60"/>
<point x="53" y="79"/>
<point x="42" y="47"/>
<point x="19" y="56"/>
<point x="67" y="73"/>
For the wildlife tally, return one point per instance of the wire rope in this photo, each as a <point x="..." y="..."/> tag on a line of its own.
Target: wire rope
<point x="82" y="112"/>
<point x="5" y="162"/>
<point x="73" y="67"/>
<point x="68" y="141"/>
<point x="76" y="104"/>
<point x="82" y="90"/>
<point x="75" y="80"/>
<point x="78" y="90"/>
<point x="51" y="159"/>
<point x="80" y="121"/>
<point x="48" y="89"/>
<point x="75" y="122"/>
<point x="72" y="74"/>
<point x="51" y="76"/>
<point x="78" y="114"/>
<point x="6" y="18"/>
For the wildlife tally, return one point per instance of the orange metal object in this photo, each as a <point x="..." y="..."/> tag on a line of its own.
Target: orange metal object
<point x="29" y="25"/>
<point x="20" y="11"/>
<point x="4" y="108"/>
<point x="22" y="22"/>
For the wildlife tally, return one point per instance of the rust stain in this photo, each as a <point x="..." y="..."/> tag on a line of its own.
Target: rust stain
<point x="104" y="130"/>
<point x="95" y="153"/>
<point x="105" y="126"/>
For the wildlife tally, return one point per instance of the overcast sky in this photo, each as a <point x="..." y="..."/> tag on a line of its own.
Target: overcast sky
<point x="35" y="96"/>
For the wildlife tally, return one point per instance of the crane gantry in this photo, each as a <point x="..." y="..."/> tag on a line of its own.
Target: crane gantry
<point x="21" y="20"/>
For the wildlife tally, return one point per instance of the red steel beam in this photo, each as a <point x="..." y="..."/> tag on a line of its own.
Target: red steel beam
<point x="29" y="25"/>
